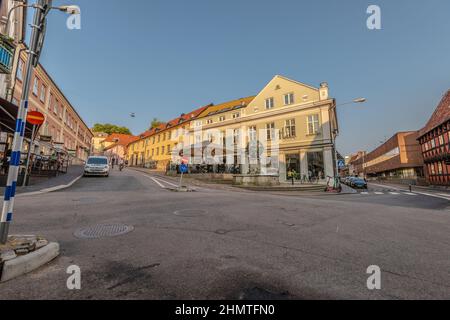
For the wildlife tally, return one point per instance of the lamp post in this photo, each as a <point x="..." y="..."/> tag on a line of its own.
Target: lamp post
<point x="336" y="132"/>
<point x="41" y="9"/>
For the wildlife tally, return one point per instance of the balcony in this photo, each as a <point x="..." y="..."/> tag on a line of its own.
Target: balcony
<point x="6" y="54"/>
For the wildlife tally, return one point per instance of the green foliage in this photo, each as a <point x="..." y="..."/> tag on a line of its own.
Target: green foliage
<point x="155" y="122"/>
<point x="110" y="128"/>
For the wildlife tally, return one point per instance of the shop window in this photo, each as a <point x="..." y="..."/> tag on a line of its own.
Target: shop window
<point x="315" y="165"/>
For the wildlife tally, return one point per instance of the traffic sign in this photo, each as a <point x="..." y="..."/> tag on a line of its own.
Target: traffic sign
<point x="183" y="168"/>
<point x="35" y="118"/>
<point x="184" y="160"/>
<point x="341" y="164"/>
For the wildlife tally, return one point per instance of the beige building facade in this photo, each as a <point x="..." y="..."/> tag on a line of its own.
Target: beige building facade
<point x="293" y="122"/>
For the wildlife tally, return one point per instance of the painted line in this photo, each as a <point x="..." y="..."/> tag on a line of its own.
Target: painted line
<point x="48" y="190"/>
<point x="156" y="181"/>
<point x="410" y="194"/>
<point x="379" y="192"/>
<point x="363" y="193"/>
<point x="433" y="195"/>
<point x="169" y="183"/>
<point x="444" y="194"/>
<point x="394" y="193"/>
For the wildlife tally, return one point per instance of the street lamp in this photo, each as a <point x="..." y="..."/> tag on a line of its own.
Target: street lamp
<point x="41" y="9"/>
<point x="336" y="132"/>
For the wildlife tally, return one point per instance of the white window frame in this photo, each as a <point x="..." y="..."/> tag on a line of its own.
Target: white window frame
<point x="270" y="131"/>
<point x="311" y="119"/>
<point x="236" y="115"/>
<point x="289" y="99"/>
<point x="222" y="118"/>
<point x="289" y="128"/>
<point x="36" y="86"/>
<point x="269" y="103"/>
<point x="43" y="92"/>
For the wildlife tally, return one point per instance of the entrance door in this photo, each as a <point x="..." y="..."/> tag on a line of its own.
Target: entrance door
<point x="292" y="163"/>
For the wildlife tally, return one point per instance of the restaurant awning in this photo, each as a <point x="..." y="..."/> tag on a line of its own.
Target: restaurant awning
<point x="8" y="115"/>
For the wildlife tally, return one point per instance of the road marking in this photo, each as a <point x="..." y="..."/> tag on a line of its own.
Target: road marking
<point x="379" y="192"/>
<point x="433" y="195"/>
<point x="410" y="194"/>
<point x="169" y="183"/>
<point x="364" y="193"/>
<point x="444" y="194"/>
<point x="156" y="181"/>
<point x="394" y="193"/>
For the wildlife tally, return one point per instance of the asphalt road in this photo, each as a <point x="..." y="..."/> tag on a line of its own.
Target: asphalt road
<point x="219" y="243"/>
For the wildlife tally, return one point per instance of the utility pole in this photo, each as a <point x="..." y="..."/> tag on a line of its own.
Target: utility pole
<point x="36" y="41"/>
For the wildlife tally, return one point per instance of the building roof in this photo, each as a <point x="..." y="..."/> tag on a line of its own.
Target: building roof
<point x="172" y="123"/>
<point x="226" y="106"/>
<point x="120" y="138"/>
<point x="440" y="115"/>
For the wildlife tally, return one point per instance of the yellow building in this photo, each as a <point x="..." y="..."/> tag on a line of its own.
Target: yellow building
<point x="288" y="126"/>
<point x="293" y="122"/>
<point x="155" y="147"/>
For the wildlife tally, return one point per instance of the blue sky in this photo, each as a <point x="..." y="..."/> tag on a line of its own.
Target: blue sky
<point x="160" y="58"/>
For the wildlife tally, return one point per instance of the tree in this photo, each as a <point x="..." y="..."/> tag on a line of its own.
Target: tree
<point x="110" y="128"/>
<point x="155" y="122"/>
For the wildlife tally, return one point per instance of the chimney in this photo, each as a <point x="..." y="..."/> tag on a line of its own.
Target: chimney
<point x="323" y="91"/>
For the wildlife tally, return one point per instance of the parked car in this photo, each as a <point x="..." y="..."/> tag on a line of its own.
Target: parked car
<point x="359" y="183"/>
<point x="96" y="166"/>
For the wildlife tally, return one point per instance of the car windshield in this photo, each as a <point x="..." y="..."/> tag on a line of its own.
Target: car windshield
<point x="97" y="161"/>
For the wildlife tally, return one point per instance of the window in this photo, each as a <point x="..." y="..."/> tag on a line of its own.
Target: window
<point x="252" y="133"/>
<point x="36" y="86"/>
<point x="157" y="151"/>
<point x="55" y="107"/>
<point x="313" y="124"/>
<point x="20" y="70"/>
<point x="198" y="123"/>
<point x="270" y="129"/>
<point x="433" y="144"/>
<point x="269" y="103"/>
<point x="153" y="152"/>
<point x="288" y="99"/>
<point x="159" y="138"/>
<point x="440" y="171"/>
<point x="222" y="118"/>
<point x="153" y="140"/>
<point x="236" y="115"/>
<point x="209" y="121"/>
<point x="43" y="92"/>
<point x="164" y="137"/>
<point x="209" y="136"/>
<point x="441" y="140"/>
<point x="236" y="135"/>
<point x="168" y="149"/>
<point x="198" y="138"/>
<point x="289" y="129"/>
<point x="169" y="135"/>
<point x="432" y="170"/>
<point x="162" y="150"/>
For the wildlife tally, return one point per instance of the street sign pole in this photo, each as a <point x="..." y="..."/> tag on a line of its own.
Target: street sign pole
<point x="29" y="156"/>
<point x="10" y="191"/>
<point x="181" y="179"/>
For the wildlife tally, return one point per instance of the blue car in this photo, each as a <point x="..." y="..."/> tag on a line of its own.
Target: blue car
<point x="358" y="183"/>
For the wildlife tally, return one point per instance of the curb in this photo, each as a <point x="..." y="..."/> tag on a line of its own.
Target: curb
<point x="29" y="262"/>
<point x="52" y="189"/>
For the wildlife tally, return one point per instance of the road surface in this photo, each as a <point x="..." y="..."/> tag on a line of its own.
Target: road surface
<point x="219" y="243"/>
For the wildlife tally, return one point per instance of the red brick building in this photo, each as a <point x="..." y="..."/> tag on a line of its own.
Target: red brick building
<point x="435" y="142"/>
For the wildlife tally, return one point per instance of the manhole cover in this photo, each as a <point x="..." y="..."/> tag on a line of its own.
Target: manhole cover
<point x="103" y="230"/>
<point x="190" y="212"/>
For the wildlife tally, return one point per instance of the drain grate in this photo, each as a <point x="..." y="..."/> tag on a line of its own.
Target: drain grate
<point x="103" y="230"/>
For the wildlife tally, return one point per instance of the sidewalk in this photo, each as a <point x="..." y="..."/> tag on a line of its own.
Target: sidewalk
<point x="303" y="189"/>
<point x="73" y="173"/>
